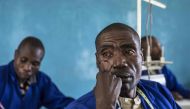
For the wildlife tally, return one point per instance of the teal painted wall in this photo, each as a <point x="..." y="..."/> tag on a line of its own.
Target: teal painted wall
<point x="68" y="29"/>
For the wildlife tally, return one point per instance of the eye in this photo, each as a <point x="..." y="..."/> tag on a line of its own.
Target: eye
<point x="107" y="54"/>
<point x="23" y="60"/>
<point x="129" y="52"/>
<point x="36" y="64"/>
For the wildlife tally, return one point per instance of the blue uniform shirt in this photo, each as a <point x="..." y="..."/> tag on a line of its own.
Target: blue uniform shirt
<point x="158" y="95"/>
<point x="41" y="93"/>
<point x="171" y="81"/>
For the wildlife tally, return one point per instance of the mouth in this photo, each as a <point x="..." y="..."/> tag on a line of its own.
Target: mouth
<point x="26" y="74"/>
<point x="125" y="77"/>
<point x="29" y="73"/>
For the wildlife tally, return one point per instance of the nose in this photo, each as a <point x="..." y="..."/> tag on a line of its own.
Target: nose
<point x="119" y="60"/>
<point x="28" y="67"/>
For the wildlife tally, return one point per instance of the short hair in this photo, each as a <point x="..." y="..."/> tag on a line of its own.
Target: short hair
<point x="31" y="41"/>
<point x="144" y="38"/>
<point x="120" y="27"/>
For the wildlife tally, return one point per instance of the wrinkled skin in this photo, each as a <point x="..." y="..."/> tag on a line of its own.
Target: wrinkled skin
<point x="119" y="60"/>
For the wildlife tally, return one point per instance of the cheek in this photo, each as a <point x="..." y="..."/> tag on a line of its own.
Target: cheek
<point x="138" y="67"/>
<point x="105" y="65"/>
<point x="35" y="69"/>
<point x="139" y="59"/>
<point x="18" y="66"/>
<point x="136" y="63"/>
<point x="138" y="71"/>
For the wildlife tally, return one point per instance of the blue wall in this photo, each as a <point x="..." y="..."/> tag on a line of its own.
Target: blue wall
<point x="68" y="29"/>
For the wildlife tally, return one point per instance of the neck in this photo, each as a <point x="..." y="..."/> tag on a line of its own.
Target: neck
<point x="129" y="93"/>
<point x="21" y="80"/>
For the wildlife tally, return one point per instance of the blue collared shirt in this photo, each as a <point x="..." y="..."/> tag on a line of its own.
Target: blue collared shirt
<point x="43" y="92"/>
<point x="158" y="95"/>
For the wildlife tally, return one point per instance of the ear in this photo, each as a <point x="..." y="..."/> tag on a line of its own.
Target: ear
<point x="142" y="57"/>
<point x="16" y="54"/>
<point x="97" y="60"/>
<point x="42" y="54"/>
<point x="141" y="53"/>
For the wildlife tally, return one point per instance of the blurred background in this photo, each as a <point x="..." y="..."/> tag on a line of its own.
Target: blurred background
<point x="68" y="29"/>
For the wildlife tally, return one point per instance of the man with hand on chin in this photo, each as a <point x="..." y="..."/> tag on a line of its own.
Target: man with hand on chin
<point x="119" y="59"/>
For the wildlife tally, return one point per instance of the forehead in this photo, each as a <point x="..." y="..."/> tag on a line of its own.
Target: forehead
<point x="118" y="38"/>
<point x="31" y="52"/>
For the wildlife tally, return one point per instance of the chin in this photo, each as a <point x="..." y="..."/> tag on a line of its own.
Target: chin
<point x="127" y="86"/>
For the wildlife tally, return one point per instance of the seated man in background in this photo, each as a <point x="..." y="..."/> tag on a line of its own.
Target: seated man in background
<point x="118" y="85"/>
<point x="178" y="91"/>
<point x="23" y="86"/>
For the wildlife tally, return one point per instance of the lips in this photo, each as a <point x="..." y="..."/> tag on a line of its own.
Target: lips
<point x="126" y="77"/>
<point x="29" y="73"/>
<point x="26" y="73"/>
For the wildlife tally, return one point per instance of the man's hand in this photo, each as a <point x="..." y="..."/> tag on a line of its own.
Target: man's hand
<point x="107" y="88"/>
<point x="176" y="95"/>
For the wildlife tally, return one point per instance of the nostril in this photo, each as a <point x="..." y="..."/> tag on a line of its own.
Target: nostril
<point x="126" y="64"/>
<point x="123" y="61"/>
<point x="28" y="67"/>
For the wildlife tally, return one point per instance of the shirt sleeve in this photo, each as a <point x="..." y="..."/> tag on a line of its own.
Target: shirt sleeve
<point x="52" y="98"/>
<point x="173" y="85"/>
<point x="166" y="93"/>
<point x="75" y="105"/>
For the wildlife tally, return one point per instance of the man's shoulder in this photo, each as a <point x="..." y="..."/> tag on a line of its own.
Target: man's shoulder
<point x="41" y="74"/>
<point x="87" y="101"/>
<point x="157" y="93"/>
<point x="4" y="70"/>
<point x="88" y="96"/>
<point x="151" y="85"/>
<point x="3" y="78"/>
<point x="147" y="82"/>
<point x="43" y="77"/>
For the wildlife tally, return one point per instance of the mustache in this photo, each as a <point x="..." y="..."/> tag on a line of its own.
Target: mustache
<point x="123" y="73"/>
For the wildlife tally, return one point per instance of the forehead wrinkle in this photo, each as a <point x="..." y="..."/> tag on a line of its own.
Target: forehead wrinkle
<point x="126" y="32"/>
<point x="113" y="35"/>
<point x="29" y="51"/>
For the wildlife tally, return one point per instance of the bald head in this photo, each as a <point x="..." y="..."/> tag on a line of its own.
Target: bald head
<point x="155" y="48"/>
<point x="32" y="42"/>
<point x="117" y="27"/>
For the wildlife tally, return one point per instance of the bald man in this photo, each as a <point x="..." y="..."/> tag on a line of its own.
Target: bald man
<point x="23" y="86"/>
<point x="118" y="85"/>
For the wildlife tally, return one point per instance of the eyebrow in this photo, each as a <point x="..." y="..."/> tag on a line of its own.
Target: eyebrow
<point x="128" y="46"/>
<point x="105" y="46"/>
